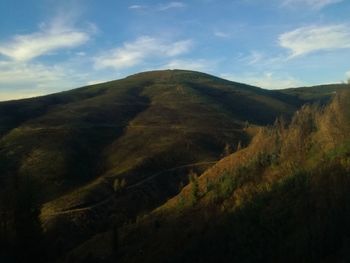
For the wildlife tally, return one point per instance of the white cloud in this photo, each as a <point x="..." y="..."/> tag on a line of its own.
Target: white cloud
<point x="171" y="5"/>
<point x="314" y="4"/>
<point x="222" y="34"/>
<point x="262" y="60"/>
<point x="136" y="7"/>
<point x="136" y="52"/>
<point x="159" y="7"/>
<point x="80" y="54"/>
<point x="19" y="94"/>
<point x="23" y="80"/>
<point x="347" y="74"/>
<point x="254" y="57"/>
<point x="49" y="38"/>
<point x="97" y="81"/>
<point x="309" y="39"/>
<point x="13" y="72"/>
<point x="267" y="80"/>
<point x="190" y="64"/>
<point x="21" y="76"/>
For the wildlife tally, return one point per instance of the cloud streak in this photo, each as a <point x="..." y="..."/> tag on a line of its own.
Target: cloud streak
<point x="190" y="64"/>
<point x="134" y="53"/>
<point x="171" y="5"/>
<point x="348" y="74"/>
<point x="49" y="38"/>
<point x="23" y="80"/>
<point x="314" y="4"/>
<point x="305" y="40"/>
<point x="159" y="7"/>
<point x="267" y="80"/>
<point x="136" y="7"/>
<point x="222" y="34"/>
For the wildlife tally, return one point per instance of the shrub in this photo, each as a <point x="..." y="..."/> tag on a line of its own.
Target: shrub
<point x="194" y="194"/>
<point x="119" y="185"/>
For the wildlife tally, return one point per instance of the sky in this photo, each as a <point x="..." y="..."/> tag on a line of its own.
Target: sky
<point x="47" y="46"/>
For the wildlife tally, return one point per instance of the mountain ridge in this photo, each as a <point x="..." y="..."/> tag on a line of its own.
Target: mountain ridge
<point x="103" y="144"/>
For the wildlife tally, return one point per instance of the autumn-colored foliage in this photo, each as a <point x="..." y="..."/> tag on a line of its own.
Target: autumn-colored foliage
<point x="284" y="198"/>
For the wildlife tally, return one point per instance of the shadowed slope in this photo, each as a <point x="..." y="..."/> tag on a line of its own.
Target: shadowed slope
<point x="284" y="198"/>
<point x="80" y="144"/>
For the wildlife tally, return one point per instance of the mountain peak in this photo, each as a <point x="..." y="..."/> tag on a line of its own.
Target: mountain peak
<point x="170" y="74"/>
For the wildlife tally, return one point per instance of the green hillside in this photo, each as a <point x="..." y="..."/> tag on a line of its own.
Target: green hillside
<point x="76" y="163"/>
<point x="284" y="198"/>
<point x="319" y="92"/>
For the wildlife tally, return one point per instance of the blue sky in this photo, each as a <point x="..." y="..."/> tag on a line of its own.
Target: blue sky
<point x="48" y="45"/>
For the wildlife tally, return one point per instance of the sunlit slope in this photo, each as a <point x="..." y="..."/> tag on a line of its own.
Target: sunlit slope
<point x="58" y="138"/>
<point x="70" y="137"/>
<point x="106" y="154"/>
<point x="284" y="198"/>
<point x="147" y="131"/>
<point x="321" y="93"/>
<point x="189" y="119"/>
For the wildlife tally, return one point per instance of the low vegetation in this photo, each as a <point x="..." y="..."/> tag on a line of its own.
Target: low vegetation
<point x="284" y="198"/>
<point x="119" y="171"/>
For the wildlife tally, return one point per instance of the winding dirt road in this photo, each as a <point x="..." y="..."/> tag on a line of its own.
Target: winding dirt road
<point x="82" y="209"/>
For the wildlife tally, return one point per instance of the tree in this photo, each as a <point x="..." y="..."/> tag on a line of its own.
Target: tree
<point x="20" y="227"/>
<point x="227" y="149"/>
<point x="119" y="185"/>
<point x="27" y="223"/>
<point x="239" y="146"/>
<point x="115" y="239"/>
<point x="194" y="195"/>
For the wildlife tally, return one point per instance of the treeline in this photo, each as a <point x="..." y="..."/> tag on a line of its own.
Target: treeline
<point x="21" y="238"/>
<point x="284" y="198"/>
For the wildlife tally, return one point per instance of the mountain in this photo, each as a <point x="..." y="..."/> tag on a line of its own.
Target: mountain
<point x="99" y="156"/>
<point x="283" y="198"/>
<point x="319" y="92"/>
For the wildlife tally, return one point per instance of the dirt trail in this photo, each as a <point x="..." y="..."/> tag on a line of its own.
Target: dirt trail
<point x="76" y="210"/>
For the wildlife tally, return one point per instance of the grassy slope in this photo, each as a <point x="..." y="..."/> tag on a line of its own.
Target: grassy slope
<point x="78" y="142"/>
<point x="86" y="124"/>
<point x="60" y="142"/>
<point x="184" y="123"/>
<point x="320" y="92"/>
<point x="284" y="198"/>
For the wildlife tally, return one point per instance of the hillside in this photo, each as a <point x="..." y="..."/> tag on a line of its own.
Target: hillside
<point x="284" y="198"/>
<point x="106" y="154"/>
<point x="319" y="92"/>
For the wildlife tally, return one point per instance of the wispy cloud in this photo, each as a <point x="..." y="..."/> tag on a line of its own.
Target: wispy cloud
<point x="267" y="80"/>
<point x="171" y="5"/>
<point x="348" y="74"/>
<point x="136" y="7"/>
<point x="159" y="7"/>
<point x="222" y="34"/>
<point x="190" y="64"/>
<point x="254" y="57"/>
<point x="136" y="52"/>
<point x="310" y="39"/>
<point x="57" y="35"/>
<point x="259" y="60"/>
<point x="314" y="4"/>
<point x="23" y="80"/>
<point x="23" y="74"/>
<point x="97" y="81"/>
<point x="13" y="72"/>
